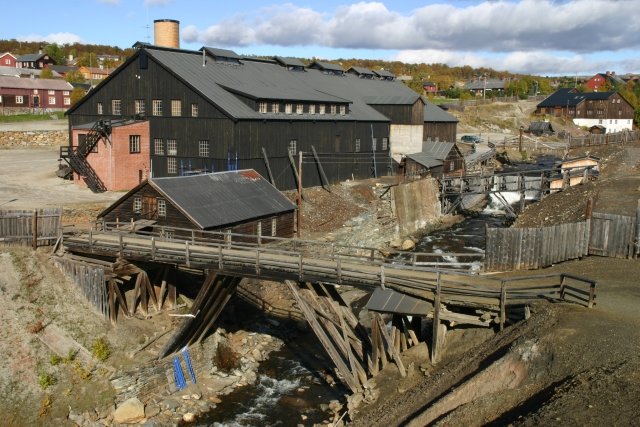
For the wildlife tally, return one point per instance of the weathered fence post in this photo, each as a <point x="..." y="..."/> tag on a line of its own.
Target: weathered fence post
<point x="637" y="246"/>
<point x="436" y="322"/>
<point x="503" y="303"/>
<point x="34" y="229"/>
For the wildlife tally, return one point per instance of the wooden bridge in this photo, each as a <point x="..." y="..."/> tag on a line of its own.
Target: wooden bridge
<point x="311" y="272"/>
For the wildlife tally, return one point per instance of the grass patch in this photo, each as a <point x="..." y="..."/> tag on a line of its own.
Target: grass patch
<point x="31" y="117"/>
<point x="46" y="380"/>
<point x="100" y="349"/>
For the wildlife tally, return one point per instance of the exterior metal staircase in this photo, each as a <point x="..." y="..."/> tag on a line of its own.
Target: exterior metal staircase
<point x="76" y="157"/>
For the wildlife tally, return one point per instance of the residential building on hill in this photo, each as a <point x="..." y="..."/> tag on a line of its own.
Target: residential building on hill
<point x="37" y="61"/>
<point x="177" y="112"/>
<point x="608" y="109"/>
<point x="7" y="60"/>
<point x="607" y="80"/>
<point x="51" y="94"/>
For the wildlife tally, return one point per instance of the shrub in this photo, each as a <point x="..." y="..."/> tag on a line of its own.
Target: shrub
<point x="100" y="349"/>
<point x="46" y="380"/>
<point x="55" y="359"/>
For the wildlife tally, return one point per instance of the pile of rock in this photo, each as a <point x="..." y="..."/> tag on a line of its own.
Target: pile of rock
<point x="28" y="139"/>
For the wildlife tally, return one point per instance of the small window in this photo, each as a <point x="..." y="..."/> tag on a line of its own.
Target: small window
<point x="65" y="92"/>
<point x="35" y="91"/>
<point x="156" y="106"/>
<point x="275" y="107"/>
<point x="172" y="147"/>
<point x="176" y="107"/>
<point x="172" y="165"/>
<point x="292" y="147"/>
<point x="52" y="100"/>
<point x="134" y="143"/>
<point x="137" y="204"/>
<point x="19" y="99"/>
<point x="357" y="148"/>
<point x="343" y="110"/>
<point x="203" y="148"/>
<point x="194" y="110"/>
<point x="288" y="108"/>
<point x="334" y="109"/>
<point x="274" y="226"/>
<point x="139" y="106"/>
<point x="322" y="108"/>
<point x="0" y="99"/>
<point x="51" y="92"/>
<point x="99" y="109"/>
<point x="116" y="107"/>
<point x="262" y="107"/>
<point x="374" y="144"/>
<point x="385" y="144"/>
<point x="158" y="146"/>
<point x="312" y="109"/>
<point x="162" y="207"/>
<point x="67" y="101"/>
<point x="299" y="109"/>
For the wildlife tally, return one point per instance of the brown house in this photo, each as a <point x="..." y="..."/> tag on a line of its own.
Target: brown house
<point x="240" y="202"/>
<point x="438" y="124"/>
<point x="34" y="93"/>
<point x="436" y="159"/>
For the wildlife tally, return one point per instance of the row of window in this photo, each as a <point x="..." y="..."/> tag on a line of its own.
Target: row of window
<point x="52" y="100"/>
<point x="141" y="109"/>
<point x="374" y="144"/>
<point x="333" y="109"/>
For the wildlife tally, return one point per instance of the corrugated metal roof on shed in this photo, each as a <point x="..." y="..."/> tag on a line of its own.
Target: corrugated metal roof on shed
<point x="223" y="198"/>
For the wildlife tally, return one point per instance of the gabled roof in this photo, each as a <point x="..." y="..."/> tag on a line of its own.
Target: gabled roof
<point x="435" y="114"/>
<point x="488" y="84"/>
<point x="30" y="57"/>
<point x="220" y="53"/>
<point x="7" y="53"/>
<point x="361" y="71"/>
<point x="62" y="68"/>
<point x="289" y="62"/>
<point x="433" y="153"/>
<point x="541" y="126"/>
<point x="384" y="74"/>
<point x="42" y="84"/>
<point x="404" y="99"/>
<point x="219" y="199"/>
<point x="326" y="66"/>
<point x="569" y="97"/>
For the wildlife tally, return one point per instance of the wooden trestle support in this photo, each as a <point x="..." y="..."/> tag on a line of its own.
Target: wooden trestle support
<point x="356" y="355"/>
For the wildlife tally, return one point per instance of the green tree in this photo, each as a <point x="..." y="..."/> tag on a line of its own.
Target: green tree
<point x="56" y="53"/>
<point x="75" y="76"/>
<point x="76" y="95"/>
<point x="46" y="73"/>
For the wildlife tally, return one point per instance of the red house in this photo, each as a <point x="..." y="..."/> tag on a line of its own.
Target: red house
<point x="7" y="60"/>
<point x="35" y="93"/>
<point x="603" y="81"/>
<point x="429" y="88"/>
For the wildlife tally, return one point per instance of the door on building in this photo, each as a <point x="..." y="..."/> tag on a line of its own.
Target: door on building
<point x="149" y="207"/>
<point x="36" y="101"/>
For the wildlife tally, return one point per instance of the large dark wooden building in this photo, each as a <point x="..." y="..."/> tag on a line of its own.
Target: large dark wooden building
<point x="213" y="110"/>
<point x="241" y="202"/>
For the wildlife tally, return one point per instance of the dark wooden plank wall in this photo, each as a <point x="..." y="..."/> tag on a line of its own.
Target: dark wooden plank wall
<point x="440" y="131"/>
<point x="89" y="280"/>
<point x="403" y="114"/>
<point x="612" y="235"/>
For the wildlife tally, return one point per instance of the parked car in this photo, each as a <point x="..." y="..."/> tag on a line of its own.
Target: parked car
<point x="473" y="139"/>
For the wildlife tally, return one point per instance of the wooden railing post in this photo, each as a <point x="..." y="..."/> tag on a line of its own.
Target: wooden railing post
<point x="436" y="322"/>
<point x="562" y="287"/>
<point x="592" y="294"/>
<point x="186" y="253"/>
<point x="153" y="248"/>
<point x="34" y="229"/>
<point x="503" y="303"/>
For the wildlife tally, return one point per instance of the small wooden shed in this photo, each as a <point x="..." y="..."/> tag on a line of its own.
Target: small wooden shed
<point x="241" y="202"/>
<point x="435" y="159"/>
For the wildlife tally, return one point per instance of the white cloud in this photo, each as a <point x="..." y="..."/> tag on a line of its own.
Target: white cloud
<point x="110" y="2"/>
<point x="59" y="38"/>
<point x="498" y="26"/>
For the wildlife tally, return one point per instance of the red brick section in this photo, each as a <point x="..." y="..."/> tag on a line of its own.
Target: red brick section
<point x="114" y="164"/>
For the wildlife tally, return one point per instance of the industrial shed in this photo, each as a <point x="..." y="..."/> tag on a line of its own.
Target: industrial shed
<point x="436" y="159"/>
<point x="241" y="202"/>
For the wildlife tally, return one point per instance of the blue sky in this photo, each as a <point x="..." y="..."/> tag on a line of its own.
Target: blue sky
<point x="544" y="37"/>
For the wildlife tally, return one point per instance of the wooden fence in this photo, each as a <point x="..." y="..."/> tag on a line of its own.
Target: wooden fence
<point x="40" y="227"/>
<point x="531" y="248"/>
<point x="90" y="281"/>
<point x="604" y="139"/>
<point x="610" y="235"/>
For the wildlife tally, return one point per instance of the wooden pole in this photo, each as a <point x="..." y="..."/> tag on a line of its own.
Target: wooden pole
<point x="325" y="181"/>
<point x="436" y="322"/>
<point x="299" y="211"/>
<point x="34" y="229"/>
<point x="266" y="163"/>
<point x="637" y="246"/>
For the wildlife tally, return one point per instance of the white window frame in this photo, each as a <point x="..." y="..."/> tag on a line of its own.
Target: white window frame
<point x="194" y="110"/>
<point x="137" y="205"/>
<point x="158" y="146"/>
<point x="203" y="148"/>
<point x="99" y="108"/>
<point x="51" y="92"/>
<point x="156" y="107"/>
<point x="35" y="91"/>
<point x="172" y="165"/>
<point x="176" y="108"/>
<point x="52" y="100"/>
<point x="140" y="107"/>
<point x="172" y="147"/>
<point x="312" y="108"/>
<point x="275" y="107"/>
<point x="357" y="147"/>
<point x="385" y="143"/>
<point x="66" y="101"/>
<point x="262" y="107"/>
<point x="343" y="110"/>
<point x="288" y="108"/>
<point x="322" y="109"/>
<point x="293" y="149"/>
<point x="274" y="226"/>
<point x="116" y="107"/>
<point x="299" y="108"/>
<point x="19" y="99"/>
<point x="333" y="109"/>
<point x="162" y="207"/>
<point x="65" y="92"/>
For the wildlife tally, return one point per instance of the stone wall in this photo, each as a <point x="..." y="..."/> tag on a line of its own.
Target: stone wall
<point x="36" y="138"/>
<point x="416" y="205"/>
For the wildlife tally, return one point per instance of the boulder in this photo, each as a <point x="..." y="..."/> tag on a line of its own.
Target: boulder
<point x="131" y="411"/>
<point x="408" y="245"/>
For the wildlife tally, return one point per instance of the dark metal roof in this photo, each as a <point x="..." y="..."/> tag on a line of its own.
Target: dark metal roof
<point x="389" y="301"/>
<point x="488" y="84"/>
<point x="327" y="66"/>
<point x="569" y="97"/>
<point x="289" y="62"/>
<point x="541" y="127"/>
<point x="437" y="149"/>
<point x="361" y="71"/>
<point x="425" y="160"/>
<point x="224" y="198"/>
<point x="384" y="73"/>
<point x="220" y="53"/>
<point x="221" y="82"/>
<point x="433" y="113"/>
<point x="31" y="57"/>
<point x="404" y="99"/>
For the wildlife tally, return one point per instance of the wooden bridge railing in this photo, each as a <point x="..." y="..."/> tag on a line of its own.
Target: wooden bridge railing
<point x="307" y="247"/>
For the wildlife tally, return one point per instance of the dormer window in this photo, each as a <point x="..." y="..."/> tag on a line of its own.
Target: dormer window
<point x="299" y="109"/>
<point x="275" y="107"/>
<point x="262" y="107"/>
<point x="312" y="108"/>
<point x="288" y="108"/>
<point x="322" y="108"/>
<point x="343" y="110"/>
<point x="334" y="109"/>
